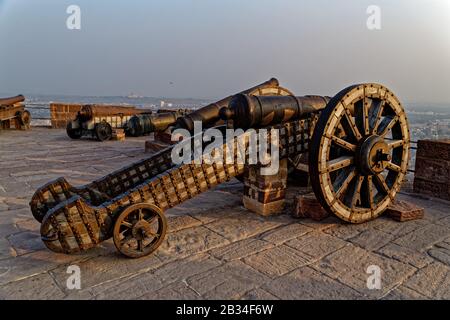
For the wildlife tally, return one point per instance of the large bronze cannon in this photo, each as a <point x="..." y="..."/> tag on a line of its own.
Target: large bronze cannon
<point x="209" y="115"/>
<point x="358" y="156"/>
<point x="12" y="110"/>
<point x="249" y="111"/>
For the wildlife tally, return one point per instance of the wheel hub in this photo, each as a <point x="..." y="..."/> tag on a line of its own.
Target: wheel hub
<point x="373" y="155"/>
<point x="141" y="229"/>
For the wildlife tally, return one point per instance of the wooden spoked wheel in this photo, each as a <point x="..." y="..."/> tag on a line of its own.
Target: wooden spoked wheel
<point x="103" y="131"/>
<point x="73" y="133"/>
<point x="359" y="152"/>
<point x="139" y="230"/>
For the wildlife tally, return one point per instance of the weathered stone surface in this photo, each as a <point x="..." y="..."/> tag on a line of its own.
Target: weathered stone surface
<point x="240" y="249"/>
<point x="285" y="233"/>
<point x="415" y="258"/>
<point x="209" y="201"/>
<point x="432" y="281"/>
<point x="190" y="241"/>
<point x="424" y="237"/>
<point x="259" y="294"/>
<point x="346" y="231"/>
<point x="433" y="169"/>
<point x="436" y="213"/>
<point x="277" y="261"/>
<point x="325" y="224"/>
<point x="177" y="223"/>
<point x="349" y="266"/>
<point x="174" y="291"/>
<point x="432" y="172"/>
<point x="404" y="293"/>
<point x="372" y="239"/>
<point x="18" y="268"/>
<point x="106" y="268"/>
<point x="39" y="287"/>
<point x="441" y="252"/>
<point x="229" y="281"/>
<point x="26" y="242"/>
<point x="6" y="251"/>
<point x="316" y="245"/>
<point x="399" y="229"/>
<point x="437" y="149"/>
<point x="306" y="283"/>
<point x="242" y="225"/>
<point x="141" y="284"/>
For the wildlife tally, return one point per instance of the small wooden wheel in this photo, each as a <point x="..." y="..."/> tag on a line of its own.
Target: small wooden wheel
<point x="139" y="230"/>
<point x="24" y="117"/>
<point x="103" y="131"/>
<point x="73" y="133"/>
<point x="359" y="152"/>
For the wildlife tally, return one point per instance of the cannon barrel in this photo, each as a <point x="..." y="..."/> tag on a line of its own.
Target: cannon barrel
<point x="209" y="115"/>
<point x="248" y="111"/>
<point x="143" y="124"/>
<point x="12" y="100"/>
<point x="89" y="111"/>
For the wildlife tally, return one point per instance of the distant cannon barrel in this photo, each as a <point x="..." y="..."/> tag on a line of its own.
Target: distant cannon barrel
<point x="89" y="111"/>
<point x="248" y="111"/>
<point x="143" y="124"/>
<point x="209" y="115"/>
<point x="12" y="100"/>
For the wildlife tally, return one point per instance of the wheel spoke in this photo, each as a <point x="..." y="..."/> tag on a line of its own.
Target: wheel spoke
<point x="344" y="144"/>
<point x="141" y="215"/>
<point x="344" y="186"/>
<point x="393" y="167"/>
<point x="357" y="194"/>
<point x="126" y="239"/>
<point x="370" y="191"/>
<point x="367" y="102"/>
<point x="380" y="184"/>
<point x="378" y="117"/>
<point x="367" y="193"/>
<point x="339" y="163"/>
<point x="389" y="126"/>
<point x="352" y="124"/>
<point x="140" y="245"/>
<point x="127" y="224"/>
<point x="392" y="144"/>
<point x="152" y="219"/>
<point x="152" y="234"/>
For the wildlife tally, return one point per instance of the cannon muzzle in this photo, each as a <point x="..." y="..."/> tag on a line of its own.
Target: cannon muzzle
<point x="248" y="111"/>
<point x="11" y="100"/>
<point x="209" y="115"/>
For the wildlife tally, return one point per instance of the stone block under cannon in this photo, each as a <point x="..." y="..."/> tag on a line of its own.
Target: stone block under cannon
<point x="358" y="156"/>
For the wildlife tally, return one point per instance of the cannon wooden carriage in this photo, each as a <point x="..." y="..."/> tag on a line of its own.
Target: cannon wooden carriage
<point x="358" y="145"/>
<point x="12" y="112"/>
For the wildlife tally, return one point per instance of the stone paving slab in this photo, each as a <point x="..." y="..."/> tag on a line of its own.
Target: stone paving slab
<point x="214" y="247"/>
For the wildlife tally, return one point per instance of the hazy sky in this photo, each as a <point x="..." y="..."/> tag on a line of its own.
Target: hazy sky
<point x="211" y="48"/>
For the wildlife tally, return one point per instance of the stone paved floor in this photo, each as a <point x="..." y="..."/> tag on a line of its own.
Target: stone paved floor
<point x="214" y="248"/>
